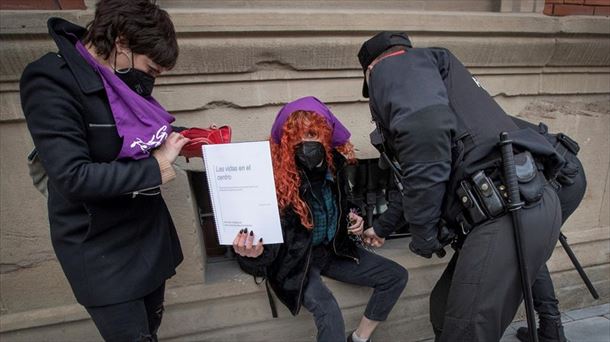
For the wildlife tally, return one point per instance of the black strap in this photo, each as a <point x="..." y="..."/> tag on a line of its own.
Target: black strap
<point x="568" y="143"/>
<point x="269" y="295"/>
<point x="561" y="149"/>
<point x="271" y="300"/>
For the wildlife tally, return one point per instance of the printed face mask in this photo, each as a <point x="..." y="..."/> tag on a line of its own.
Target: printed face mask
<point x="310" y="154"/>
<point x="139" y="81"/>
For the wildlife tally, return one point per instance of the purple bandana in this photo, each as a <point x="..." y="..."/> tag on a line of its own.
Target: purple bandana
<point x="310" y="103"/>
<point x="141" y="122"/>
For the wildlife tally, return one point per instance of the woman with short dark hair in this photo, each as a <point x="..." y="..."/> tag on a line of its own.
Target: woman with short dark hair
<point x="107" y="146"/>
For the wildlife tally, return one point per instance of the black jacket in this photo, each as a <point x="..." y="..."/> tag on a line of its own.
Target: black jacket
<point x="285" y="266"/>
<point x="572" y="184"/>
<point x="113" y="246"/>
<point x="410" y="104"/>
<point x="442" y="127"/>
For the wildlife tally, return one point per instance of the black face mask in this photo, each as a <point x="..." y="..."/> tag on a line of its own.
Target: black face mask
<point x="139" y="81"/>
<point x="310" y="155"/>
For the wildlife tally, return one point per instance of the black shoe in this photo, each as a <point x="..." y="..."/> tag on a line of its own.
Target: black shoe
<point x="523" y="334"/>
<point x="550" y="330"/>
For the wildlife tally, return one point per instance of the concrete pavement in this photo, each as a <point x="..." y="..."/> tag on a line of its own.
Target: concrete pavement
<point x="590" y="324"/>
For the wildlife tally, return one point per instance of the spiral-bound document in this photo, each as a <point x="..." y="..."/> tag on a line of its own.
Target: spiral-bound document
<point x="242" y="189"/>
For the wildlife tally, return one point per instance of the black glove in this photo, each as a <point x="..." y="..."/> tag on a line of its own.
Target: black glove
<point x="445" y="235"/>
<point x="424" y="246"/>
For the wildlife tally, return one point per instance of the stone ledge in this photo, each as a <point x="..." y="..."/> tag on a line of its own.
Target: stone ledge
<point x="247" y="96"/>
<point x="333" y="20"/>
<point x="191" y="321"/>
<point x="261" y="57"/>
<point x="276" y="73"/>
<point x="426" y="273"/>
<point x="239" y="41"/>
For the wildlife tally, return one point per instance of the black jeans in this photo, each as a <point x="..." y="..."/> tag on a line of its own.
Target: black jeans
<point x="133" y="321"/>
<point x="387" y="278"/>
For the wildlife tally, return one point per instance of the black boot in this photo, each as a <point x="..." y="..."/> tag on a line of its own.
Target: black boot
<point x="550" y="330"/>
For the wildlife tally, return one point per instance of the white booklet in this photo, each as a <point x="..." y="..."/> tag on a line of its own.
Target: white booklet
<point x="242" y="189"/>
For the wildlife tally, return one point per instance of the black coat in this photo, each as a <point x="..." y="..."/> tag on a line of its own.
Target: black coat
<point x="442" y="127"/>
<point x="286" y="265"/>
<point x="112" y="245"/>
<point x="570" y="192"/>
<point x="409" y="102"/>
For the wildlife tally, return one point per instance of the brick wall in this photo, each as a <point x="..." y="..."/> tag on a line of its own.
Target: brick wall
<point x="42" y="4"/>
<point x="577" y="7"/>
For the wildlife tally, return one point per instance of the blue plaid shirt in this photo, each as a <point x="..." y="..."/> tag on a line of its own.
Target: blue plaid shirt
<point x="324" y="212"/>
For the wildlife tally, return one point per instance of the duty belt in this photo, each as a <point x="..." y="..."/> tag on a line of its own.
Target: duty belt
<point x="564" y="145"/>
<point x="481" y="200"/>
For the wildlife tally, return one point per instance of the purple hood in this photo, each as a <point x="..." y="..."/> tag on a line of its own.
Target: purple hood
<point x="309" y="103"/>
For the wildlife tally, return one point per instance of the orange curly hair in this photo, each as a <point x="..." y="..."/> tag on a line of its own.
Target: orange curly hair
<point x="300" y="124"/>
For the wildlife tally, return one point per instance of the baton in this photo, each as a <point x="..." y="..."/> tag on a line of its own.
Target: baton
<point x="577" y="266"/>
<point x="514" y="206"/>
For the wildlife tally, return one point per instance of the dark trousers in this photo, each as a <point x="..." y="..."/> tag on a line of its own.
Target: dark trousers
<point x="479" y="292"/>
<point x="543" y="293"/>
<point x="570" y="196"/>
<point x="387" y="278"/>
<point x="136" y="320"/>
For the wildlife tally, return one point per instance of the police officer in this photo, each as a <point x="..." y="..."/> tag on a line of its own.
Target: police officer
<point x="441" y="129"/>
<point x="570" y="184"/>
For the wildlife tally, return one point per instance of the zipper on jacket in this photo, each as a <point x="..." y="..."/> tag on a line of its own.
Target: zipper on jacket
<point x="101" y="125"/>
<point x="137" y="192"/>
<point x="339" y="223"/>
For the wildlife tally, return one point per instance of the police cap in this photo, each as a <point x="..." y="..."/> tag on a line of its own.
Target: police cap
<point x="377" y="45"/>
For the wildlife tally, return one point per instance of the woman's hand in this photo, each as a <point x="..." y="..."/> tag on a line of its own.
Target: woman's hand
<point x="171" y="147"/>
<point x="356" y="226"/>
<point x="371" y="238"/>
<point x="242" y="244"/>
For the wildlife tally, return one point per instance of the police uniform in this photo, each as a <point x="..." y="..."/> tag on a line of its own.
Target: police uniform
<point x="442" y="129"/>
<point x="570" y="185"/>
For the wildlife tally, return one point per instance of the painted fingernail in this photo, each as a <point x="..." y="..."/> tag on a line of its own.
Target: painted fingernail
<point x="241" y="231"/>
<point x="246" y="230"/>
<point x="251" y="233"/>
<point x="260" y="240"/>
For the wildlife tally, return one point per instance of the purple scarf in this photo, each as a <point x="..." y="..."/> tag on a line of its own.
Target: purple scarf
<point x="141" y="122"/>
<point x="310" y="103"/>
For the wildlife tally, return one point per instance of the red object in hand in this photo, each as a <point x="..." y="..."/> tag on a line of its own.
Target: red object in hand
<point x="204" y="136"/>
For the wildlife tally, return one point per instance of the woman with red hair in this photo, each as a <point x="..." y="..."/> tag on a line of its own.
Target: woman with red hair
<point x="310" y="149"/>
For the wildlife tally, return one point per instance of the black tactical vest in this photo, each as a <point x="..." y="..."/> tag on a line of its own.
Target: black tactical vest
<point x="480" y="122"/>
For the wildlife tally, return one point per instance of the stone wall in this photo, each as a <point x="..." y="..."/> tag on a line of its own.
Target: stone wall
<point x="237" y="67"/>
